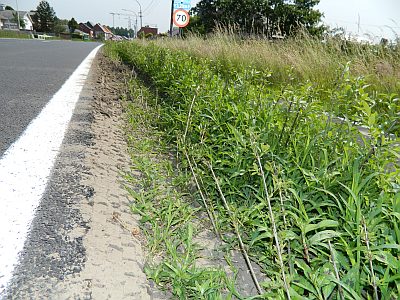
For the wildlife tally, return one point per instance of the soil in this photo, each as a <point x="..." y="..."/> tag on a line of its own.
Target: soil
<point x="114" y="255"/>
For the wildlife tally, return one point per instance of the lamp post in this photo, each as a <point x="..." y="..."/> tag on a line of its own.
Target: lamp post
<point x="19" y="28"/>
<point x="140" y="13"/>
<point x="113" y="16"/>
<point x="135" y="14"/>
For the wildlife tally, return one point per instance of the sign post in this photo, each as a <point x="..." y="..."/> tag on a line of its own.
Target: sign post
<point x="181" y="18"/>
<point x="184" y="4"/>
<point x="179" y="14"/>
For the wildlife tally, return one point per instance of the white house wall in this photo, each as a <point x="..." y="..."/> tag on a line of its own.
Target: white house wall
<point x="28" y="23"/>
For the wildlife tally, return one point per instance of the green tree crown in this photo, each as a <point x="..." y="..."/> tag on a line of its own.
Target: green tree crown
<point x="267" y="17"/>
<point x="44" y="18"/>
<point x="72" y="25"/>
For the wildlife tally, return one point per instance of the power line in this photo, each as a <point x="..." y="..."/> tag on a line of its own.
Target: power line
<point x="149" y="6"/>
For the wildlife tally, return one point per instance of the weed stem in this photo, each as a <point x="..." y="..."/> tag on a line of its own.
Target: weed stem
<point x="336" y="270"/>
<point x="246" y="257"/>
<point x="278" y="246"/>
<point x="209" y="212"/>
<point x="370" y="261"/>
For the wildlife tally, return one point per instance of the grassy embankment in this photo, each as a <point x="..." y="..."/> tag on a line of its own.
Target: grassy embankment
<point x="14" y="35"/>
<point x="269" y="136"/>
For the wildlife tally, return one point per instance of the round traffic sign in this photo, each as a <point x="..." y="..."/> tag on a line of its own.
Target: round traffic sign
<point x="181" y="18"/>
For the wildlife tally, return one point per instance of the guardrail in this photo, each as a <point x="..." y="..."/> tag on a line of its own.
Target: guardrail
<point x="41" y="36"/>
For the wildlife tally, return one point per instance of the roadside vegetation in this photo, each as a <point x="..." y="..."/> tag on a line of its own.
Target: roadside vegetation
<point x="14" y="34"/>
<point x="169" y="221"/>
<point x="292" y="149"/>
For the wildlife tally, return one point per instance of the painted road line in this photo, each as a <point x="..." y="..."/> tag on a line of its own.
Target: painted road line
<point x="26" y="166"/>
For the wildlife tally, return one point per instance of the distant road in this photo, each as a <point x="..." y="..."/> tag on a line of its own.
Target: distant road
<point x="31" y="71"/>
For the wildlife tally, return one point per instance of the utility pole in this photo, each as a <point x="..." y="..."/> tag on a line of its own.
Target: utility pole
<point x="140" y="13"/>
<point x="136" y="24"/>
<point x="136" y="30"/>
<point x="113" y="15"/>
<point x="129" y="19"/>
<point x="19" y="24"/>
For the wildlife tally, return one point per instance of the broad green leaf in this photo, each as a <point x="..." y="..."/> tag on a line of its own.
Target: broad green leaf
<point x="322" y="224"/>
<point x="238" y="136"/>
<point x="323" y="235"/>
<point x="388" y="259"/>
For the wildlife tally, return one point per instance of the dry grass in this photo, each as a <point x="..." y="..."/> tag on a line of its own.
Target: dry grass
<point x="303" y="58"/>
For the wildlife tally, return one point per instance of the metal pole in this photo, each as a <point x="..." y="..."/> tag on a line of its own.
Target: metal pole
<point x="135" y="14"/>
<point x="18" y="15"/>
<point x="113" y="15"/>
<point x="140" y="14"/>
<point x="171" y="21"/>
<point x="136" y="28"/>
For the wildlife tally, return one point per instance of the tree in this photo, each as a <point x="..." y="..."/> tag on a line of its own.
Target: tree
<point x="8" y="7"/>
<point x="268" y="17"/>
<point x="72" y="25"/>
<point x="122" y="31"/>
<point x="44" y="18"/>
<point x="60" y="26"/>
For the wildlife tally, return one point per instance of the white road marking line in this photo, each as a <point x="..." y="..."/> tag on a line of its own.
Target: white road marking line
<point x="26" y="166"/>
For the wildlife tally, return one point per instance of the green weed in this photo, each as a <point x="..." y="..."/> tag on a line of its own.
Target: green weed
<point x="169" y="221"/>
<point x="315" y="202"/>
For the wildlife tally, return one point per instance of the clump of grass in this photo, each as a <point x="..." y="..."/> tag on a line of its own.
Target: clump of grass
<point x="329" y="187"/>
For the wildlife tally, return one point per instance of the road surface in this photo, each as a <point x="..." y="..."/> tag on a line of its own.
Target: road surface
<point x="40" y="85"/>
<point x="62" y="153"/>
<point x="31" y="72"/>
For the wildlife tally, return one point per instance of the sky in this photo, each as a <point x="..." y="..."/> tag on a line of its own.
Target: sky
<point x="376" y="18"/>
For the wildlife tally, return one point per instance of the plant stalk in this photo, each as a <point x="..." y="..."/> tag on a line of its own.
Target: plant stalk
<point x="190" y="114"/>
<point x="246" y="257"/>
<point x="209" y="212"/>
<point x="376" y="297"/>
<point x="336" y="270"/>
<point x="275" y="232"/>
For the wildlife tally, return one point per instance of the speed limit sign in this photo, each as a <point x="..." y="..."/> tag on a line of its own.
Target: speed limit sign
<point x="181" y="18"/>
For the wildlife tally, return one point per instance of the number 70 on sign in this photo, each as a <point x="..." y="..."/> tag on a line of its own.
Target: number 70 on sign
<point x="181" y="18"/>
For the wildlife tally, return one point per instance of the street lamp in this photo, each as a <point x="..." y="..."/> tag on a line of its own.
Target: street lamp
<point x="135" y="14"/>
<point x="19" y="28"/>
<point x="140" y="14"/>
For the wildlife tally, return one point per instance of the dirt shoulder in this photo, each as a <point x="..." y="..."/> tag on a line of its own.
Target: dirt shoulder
<point x="114" y="253"/>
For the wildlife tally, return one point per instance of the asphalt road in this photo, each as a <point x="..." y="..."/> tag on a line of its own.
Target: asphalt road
<point x="31" y="72"/>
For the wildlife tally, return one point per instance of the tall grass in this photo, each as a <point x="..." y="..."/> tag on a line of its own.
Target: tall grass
<point x="14" y="34"/>
<point x="300" y="58"/>
<point x="316" y="203"/>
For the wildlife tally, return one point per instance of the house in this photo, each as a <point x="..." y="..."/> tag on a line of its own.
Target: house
<point x="108" y="31"/>
<point x="2" y="20"/>
<point x="84" y="27"/>
<point x="8" y="19"/>
<point x="90" y="24"/>
<point x="102" y="32"/>
<point x="147" y="30"/>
